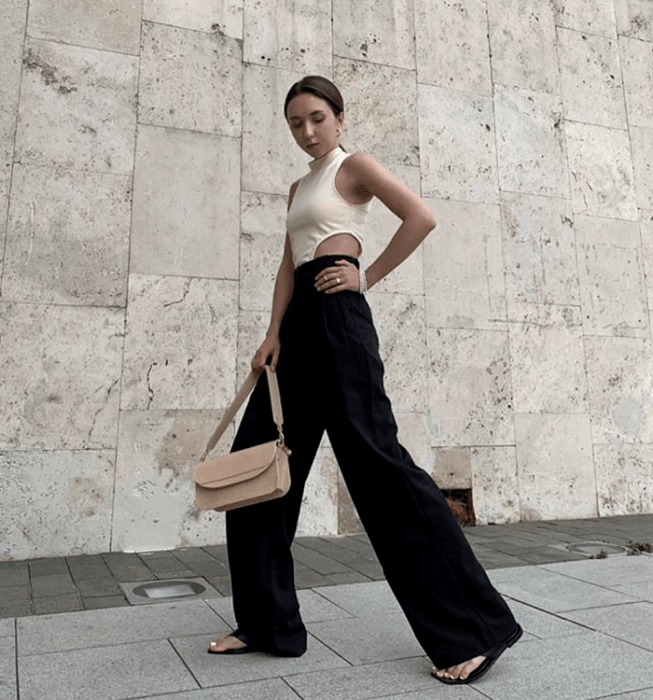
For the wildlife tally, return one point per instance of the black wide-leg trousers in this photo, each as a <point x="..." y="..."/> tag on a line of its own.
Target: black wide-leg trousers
<point x="331" y="378"/>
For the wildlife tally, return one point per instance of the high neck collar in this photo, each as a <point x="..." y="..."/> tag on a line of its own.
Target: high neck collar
<point x="325" y="159"/>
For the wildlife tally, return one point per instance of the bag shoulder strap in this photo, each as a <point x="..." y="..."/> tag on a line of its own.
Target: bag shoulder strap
<point x="244" y="392"/>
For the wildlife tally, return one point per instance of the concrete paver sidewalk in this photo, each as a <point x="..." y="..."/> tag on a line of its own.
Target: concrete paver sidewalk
<point x="588" y="633"/>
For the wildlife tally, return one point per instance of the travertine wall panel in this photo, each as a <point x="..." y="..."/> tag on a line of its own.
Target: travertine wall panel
<point x="112" y="25"/>
<point x="225" y="17"/>
<point x="390" y="95"/>
<point x="55" y="503"/>
<point x="611" y="274"/>
<point x="202" y="86"/>
<point x="380" y="31"/>
<point x="290" y="34"/>
<point x="495" y="484"/>
<point x="452" y="45"/>
<point x="530" y="142"/>
<point x="468" y="241"/>
<point x="155" y="497"/>
<point x="637" y="63"/>
<point x="539" y="252"/>
<point x="85" y="97"/>
<point x="548" y="361"/>
<point x="68" y="237"/>
<point x="555" y="466"/>
<point x="523" y="44"/>
<point x="469" y="387"/>
<point x="601" y="171"/>
<point x="180" y="226"/>
<point x="590" y="76"/>
<point x="180" y="344"/>
<point x="620" y="379"/>
<point x="457" y="145"/>
<point x="145" y="164"/>
<point x="60" y="391"/>
<point x="596" y="16"/>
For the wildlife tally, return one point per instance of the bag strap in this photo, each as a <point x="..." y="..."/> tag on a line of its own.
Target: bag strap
<point x="245" y="391"/>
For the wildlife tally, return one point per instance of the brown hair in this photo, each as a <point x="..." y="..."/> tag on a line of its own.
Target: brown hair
<point x="320" y="87"/>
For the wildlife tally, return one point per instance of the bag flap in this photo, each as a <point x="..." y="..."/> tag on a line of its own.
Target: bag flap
<point x="235" y="467"/>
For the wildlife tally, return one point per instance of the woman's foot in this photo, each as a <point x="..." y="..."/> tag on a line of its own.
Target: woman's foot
<point x="229" y="644"/>
<point x="460" y="672"/>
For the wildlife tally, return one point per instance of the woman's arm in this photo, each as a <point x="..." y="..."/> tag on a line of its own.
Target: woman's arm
<point x="363" y="178"/>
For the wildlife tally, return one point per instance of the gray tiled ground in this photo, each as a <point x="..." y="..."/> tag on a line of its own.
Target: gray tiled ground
<point x="587" y="626"/>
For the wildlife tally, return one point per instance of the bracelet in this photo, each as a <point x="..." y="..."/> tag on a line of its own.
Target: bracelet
<point x="362" y="281"/>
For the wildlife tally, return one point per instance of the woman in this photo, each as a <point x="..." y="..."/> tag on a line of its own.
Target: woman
<point x="323" y="346"/>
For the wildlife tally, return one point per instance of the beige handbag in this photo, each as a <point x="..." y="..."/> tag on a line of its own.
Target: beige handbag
<point x="249" y="476"/>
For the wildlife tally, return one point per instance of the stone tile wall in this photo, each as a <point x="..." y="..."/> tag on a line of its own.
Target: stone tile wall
<point x="144" y="165"/>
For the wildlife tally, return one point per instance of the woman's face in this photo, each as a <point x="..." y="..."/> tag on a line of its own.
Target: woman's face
<point x="313" y="124"/>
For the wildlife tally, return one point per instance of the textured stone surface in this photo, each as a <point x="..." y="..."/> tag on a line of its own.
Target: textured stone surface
<point x="453" y="468"/>
<point x="290" y="34"/>
<point x="601" y="171"/>
<point x="522" y="44"/>
<point x="381" y="111"/>
<point x="556" y="471"/>
<point x="12" y="37"/>
<point x="155" y="498"/>
<point x="620" y="379"/>
<point x="452" y="45"/>
<point x="613" y="287"/>
<point x="84" y="96"/>
<point x="202" y="86"/>
<point x="270" y="159"/>
<point x="466" y="240"/>
<point x="68" y="237"/>
<point x="377" y="31"/>
<point x="634" y="18"/>
<point x="408" y="278"/>
<point x="469" y="388"/>
<point x="496" y="484"/>
<point x="530" y="142"/>
<point x="548" y="361"/>
<point x="457" y="145"/>
<point x="112" y="25"/>
<point x="62" y="391"/>
<point x="539" y="251"/>
<point x="262" y="240"/>
<point x="186" y="218"/>
<point x="637" y="66"/>
<point x="205" y="15"/>
<point x="591" y="79"/>
<point x="319" y="513"/>
<point x="624" y="479"/>
<point x="180" y="348"/>
<point x="70" y="491"/>
<point x="646" y="224"/>
<point x="596" y="16"/>
<point x="642" y="144"/>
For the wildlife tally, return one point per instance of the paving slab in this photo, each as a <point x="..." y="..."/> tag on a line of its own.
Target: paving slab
<point x="579" y="667"/>
<point x="631" y="623"/>
<point x="273" y="689"/>
<point x="543" y="625"/>
<point x="613" y="571"/>
<point x="98" y="628"/>
<point x="7" y="627"/>
<point x="553" y="591"/>
<point x="215" y="670"/>
<point x="7" y="668"/>
<point x="52" y="585"/>
<point x="363" y="599"/>
<point x="67" y="602"/>
<point x="642" y="589"/>
<point x="104" y="673"/>
<point x="369" y="639"/>
<point x="370" y="681"/>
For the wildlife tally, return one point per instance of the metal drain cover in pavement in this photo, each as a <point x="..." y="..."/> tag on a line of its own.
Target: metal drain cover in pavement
<point x="592" y="549"/>
<point x="165" y="591"/>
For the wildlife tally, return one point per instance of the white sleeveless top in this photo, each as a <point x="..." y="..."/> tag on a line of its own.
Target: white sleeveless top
<point x="318" y="211"/>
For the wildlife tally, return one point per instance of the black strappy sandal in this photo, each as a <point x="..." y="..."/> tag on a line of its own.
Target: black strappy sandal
<point x="248" y="649"/>
<point x="487" y="663"/>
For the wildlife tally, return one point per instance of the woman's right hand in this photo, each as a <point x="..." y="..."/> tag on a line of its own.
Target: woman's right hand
<point x="269" y="349"/>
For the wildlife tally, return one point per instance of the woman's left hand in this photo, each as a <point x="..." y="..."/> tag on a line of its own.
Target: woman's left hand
<point x="343" y="276"/>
